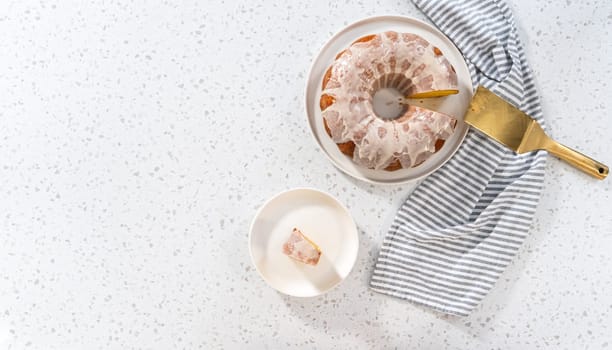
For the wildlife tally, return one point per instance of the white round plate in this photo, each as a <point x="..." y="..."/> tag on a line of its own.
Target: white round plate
<point x="454" y="105"/>
<point x="324" y="220"/>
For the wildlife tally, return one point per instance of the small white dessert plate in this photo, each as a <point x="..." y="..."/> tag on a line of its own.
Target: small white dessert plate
<point x="320" y="217"/>
<point x="454" y="105"/>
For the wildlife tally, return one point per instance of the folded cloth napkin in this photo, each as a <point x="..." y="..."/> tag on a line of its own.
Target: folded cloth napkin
<point x="457" y="232"/>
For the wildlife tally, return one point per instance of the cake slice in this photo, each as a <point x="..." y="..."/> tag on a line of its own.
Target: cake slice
<point x="300" y="248"/>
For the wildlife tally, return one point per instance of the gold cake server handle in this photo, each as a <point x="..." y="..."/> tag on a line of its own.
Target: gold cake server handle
<point x="580" y="161"/>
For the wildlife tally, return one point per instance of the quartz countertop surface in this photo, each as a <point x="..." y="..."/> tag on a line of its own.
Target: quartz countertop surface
<point x="137" y="141"/>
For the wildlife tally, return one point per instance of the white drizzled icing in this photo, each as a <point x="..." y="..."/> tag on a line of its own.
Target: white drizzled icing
<point x="401" y="60"/>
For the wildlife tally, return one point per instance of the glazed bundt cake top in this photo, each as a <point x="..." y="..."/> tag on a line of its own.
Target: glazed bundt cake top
<point x="403" y="61"/>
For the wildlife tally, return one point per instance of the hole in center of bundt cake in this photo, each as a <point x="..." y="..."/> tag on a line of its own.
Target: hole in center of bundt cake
<point x="388" y="98"/>
<point x="386" y="103"/>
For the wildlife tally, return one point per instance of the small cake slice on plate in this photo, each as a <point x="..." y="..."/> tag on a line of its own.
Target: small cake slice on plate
<point x="301" y="248"/>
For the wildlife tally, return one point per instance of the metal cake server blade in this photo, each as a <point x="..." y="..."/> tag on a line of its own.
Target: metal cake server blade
<point x="509" y="126"/>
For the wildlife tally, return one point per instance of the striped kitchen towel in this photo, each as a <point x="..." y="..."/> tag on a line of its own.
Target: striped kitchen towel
<point x="457" y="232"/>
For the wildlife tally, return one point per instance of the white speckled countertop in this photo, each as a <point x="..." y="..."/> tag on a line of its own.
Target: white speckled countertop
<point x="137" y="141"/>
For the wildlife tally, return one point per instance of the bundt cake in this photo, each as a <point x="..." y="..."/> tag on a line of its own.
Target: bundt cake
<point x="405" y="62"/>
<point x="301" y="248"/>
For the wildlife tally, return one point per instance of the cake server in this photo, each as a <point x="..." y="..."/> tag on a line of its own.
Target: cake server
<point x="509" y="126"/>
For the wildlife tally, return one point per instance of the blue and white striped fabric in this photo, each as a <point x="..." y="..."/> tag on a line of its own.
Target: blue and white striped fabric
<point x="458" y="231"/>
